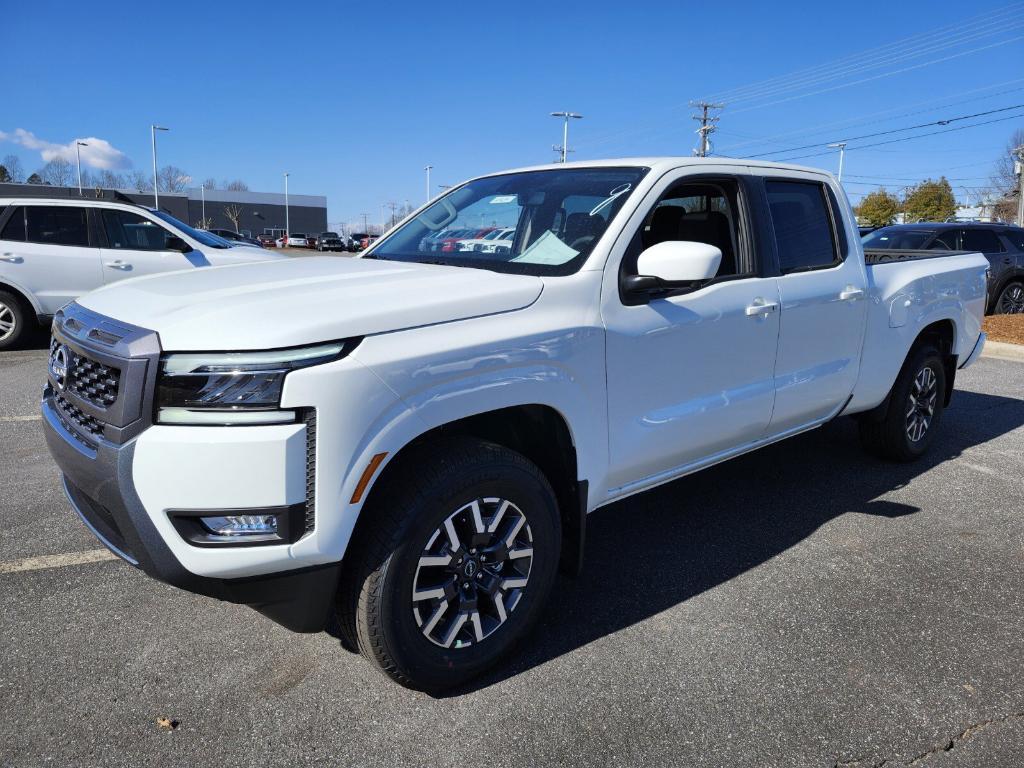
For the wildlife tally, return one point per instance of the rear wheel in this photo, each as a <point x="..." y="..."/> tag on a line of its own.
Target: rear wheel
<point x="13" y="324"/>
<point x="1011" y="300"/>
<point x="915" y="408"/>
<point x="453" y="565"/>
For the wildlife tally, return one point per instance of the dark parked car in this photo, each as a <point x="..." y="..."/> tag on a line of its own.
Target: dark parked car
<point x="236" y="237"/>
<point x="357" y="241"/>
<point x="267" y="241"/>
<point x="1002" y="245"/>
<point x="329" y="241"/>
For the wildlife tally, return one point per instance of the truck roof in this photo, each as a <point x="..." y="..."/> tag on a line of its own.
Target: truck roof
<point x="664" y="163"/>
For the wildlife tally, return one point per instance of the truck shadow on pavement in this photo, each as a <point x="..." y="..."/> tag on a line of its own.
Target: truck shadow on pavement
<point x="658" y="549"/>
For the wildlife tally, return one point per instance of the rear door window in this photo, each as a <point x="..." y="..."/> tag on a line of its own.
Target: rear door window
<point x="14" y="229"/>
<point x="1016" y="238"/>
<point x="56" y="225"/>
<point x="945" y="241"/>
<point x="804" y="234"/>
<point x="983" y="240"/>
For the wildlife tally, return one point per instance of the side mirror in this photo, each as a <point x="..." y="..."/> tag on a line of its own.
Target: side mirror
<point x="670" y="265"/>
<point x="175" y="243"/>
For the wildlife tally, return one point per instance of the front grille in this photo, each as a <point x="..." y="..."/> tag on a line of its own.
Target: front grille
<point x="310" y="419"/>
<point x="94" y="381"/>
<point x="75" y="418"/>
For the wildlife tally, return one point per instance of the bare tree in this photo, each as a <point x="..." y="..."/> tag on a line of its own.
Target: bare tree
<point x="1004" y="180"/>
<point x="58" y="172"/>
<point x="139" y="181"/>
<point x="236" y="186"/>
<point x="111" y="180"/>
<point x="204" y="223"/>
<point x="234" y="214"/>
<point x="171" y="179"/>
<point x="210" y="183"/>
<point x="13" y="166"/>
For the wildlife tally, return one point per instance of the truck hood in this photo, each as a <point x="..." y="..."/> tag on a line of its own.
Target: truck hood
<point x="288" y="302"/>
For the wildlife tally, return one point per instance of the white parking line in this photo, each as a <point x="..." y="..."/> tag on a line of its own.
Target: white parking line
<point x="57" y="561"/>
<point x="33" y="417"/>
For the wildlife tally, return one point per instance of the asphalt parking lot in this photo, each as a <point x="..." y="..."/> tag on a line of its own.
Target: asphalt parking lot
<point x="802" y="606"/>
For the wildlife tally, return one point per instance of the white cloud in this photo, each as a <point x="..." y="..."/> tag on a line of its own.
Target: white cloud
<point x="98" y="154"/>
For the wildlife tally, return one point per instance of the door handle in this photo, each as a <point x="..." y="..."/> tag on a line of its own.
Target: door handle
<point x="849" y="293"/>
<point x="119" y="265"/>
<point x="761" y="307"/>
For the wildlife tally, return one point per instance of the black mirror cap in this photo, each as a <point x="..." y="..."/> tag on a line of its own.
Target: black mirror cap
<point x="175" y="243"/>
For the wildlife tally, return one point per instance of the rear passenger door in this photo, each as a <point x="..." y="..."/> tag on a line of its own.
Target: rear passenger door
<point x="824" y="301"/>
<point x="50" y="252"/>
<point x="136" y="246"/>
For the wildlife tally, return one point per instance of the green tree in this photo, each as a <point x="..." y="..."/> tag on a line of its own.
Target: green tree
<point x="878" y="208"/>
<point x="5" y="175"/>
<point x="34" y="179"/>
<point x="930" y="201"/>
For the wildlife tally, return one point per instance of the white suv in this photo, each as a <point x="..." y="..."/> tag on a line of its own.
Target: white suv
<point x="54" y="250"/>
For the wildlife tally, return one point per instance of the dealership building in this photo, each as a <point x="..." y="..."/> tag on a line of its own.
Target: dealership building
<point x="257" y="212"/>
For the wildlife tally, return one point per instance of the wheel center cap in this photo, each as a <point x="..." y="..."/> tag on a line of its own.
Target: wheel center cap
<point x="470" y="568"/>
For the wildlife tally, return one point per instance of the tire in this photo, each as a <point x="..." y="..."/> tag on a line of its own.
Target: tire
<point x="399" y="550"/>
<point x="914" y="410"/>
<point x="13" y="320"/>
<point x="1011" y="300"/>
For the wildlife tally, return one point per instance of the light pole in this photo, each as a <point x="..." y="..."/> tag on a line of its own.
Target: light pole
<point x="156" y="192"/>
<point x="202" y="187"/>
<point x="1018" y="166"/>
<point x="565" y="130"/>
<point x="841" y="146"/>
<point x="427" y="169"/>
<point x="287" y="225"/>
<point x="78" y="155"/>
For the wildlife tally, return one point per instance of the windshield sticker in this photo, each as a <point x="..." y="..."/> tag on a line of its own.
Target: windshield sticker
<point x="547" y="249"/>
<point x="499" y="199"/>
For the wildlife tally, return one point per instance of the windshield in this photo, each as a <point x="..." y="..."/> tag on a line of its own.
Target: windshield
<point x="206" y="238"/>
<point x="893" y="238"/>
<point x="535" y="222"/>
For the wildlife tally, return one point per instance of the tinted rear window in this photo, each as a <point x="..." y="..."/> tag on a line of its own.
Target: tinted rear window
<point x="56" y="225"/>
<point x="14" y="229"/>
<point x="983" y="240"/>
<point x="889" y="238"/>
<point x="803" y="226"/>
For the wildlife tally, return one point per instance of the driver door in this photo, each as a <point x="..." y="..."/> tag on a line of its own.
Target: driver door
<point x="136" y="246"/>
<point x="690" y="373"/>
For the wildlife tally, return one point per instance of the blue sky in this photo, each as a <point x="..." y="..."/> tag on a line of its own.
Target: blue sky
<point x="353" y="99"/>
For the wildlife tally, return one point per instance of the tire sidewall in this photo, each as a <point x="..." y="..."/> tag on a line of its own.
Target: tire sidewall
<point x="430" y="665"/>
<point x="924" y="356"/>
<point x="18" y="310"/>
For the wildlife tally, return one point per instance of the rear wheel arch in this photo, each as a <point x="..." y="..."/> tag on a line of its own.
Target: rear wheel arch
<point x="26" y="300"/>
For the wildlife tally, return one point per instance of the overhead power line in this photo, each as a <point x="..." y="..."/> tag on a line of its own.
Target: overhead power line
<point x="911" y="138"/>
<point x="945" y="121"/>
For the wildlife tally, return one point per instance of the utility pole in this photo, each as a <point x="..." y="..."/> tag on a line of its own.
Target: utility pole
<point x="156" y="192"/>
<point x="287" y="223"/>
<point x="78" y="156"/>
<point x="1018" y="168"/>
<point x="202" y="187"/>
<point x="841" y="146"/>
<point x="365" y="230"/>
<point x="707" y="126"/>
<point x="394" y="207"/>
<point x="567" y="116"/>
<point x="427" y="169"/>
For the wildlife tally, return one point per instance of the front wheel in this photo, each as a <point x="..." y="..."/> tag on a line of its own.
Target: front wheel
<point x="1011" y="300"/>
<point x="915" y="408"/>
<point x="453" y="565"/>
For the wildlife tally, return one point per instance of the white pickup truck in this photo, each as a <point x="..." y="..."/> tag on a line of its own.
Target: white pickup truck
<point x="413" y="440"/>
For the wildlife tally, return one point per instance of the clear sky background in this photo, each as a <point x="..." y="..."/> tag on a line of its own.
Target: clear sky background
<point x="355" y="98"/>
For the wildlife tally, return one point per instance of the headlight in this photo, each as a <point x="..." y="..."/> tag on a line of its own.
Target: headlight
<point x="234" y="387"/>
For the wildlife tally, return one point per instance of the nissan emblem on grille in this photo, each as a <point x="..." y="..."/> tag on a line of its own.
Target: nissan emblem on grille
<point x="60" y="362"/>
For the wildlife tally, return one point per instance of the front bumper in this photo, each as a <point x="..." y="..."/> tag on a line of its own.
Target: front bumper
<point x="102" y="493"/>
<point x="124" y="477"/>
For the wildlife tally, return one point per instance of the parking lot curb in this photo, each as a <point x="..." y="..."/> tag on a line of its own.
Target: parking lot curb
<point x="1003" y="351"/>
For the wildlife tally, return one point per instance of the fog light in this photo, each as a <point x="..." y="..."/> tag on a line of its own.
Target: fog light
<point x="241" y="525"/>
